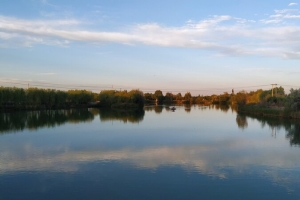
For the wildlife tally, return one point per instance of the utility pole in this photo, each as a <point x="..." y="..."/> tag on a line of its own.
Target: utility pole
<point x="27" y="85"/>
<point x="273" y="88"/>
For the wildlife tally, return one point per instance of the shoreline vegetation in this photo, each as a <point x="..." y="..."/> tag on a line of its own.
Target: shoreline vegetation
<point x="280" y="105"/>
<point x="15" y="99"/>
<point x="274" y="103"/>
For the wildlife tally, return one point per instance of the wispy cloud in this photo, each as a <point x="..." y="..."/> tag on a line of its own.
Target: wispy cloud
<point x="281" y="15"/>
<point x="223" y="35"/>
<point x="102" y="53"/>
<point x="47" y="3"/>
<point x="28" y="72"/>
<point x="293" y="4"/>
<point x="46" y="73"/>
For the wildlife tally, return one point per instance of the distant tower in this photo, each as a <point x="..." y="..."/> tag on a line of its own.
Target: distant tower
<point x="232" y="92"/>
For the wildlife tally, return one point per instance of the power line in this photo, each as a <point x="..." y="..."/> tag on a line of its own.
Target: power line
<point x="60" y="86"/>
<point x="206" y="89"/>
<point x="67" y="86"/>
<point x="14" y="83"/>
<point x="56" y="84"/>
<point x="291" y="86"/>
<point x="109" y="86"/>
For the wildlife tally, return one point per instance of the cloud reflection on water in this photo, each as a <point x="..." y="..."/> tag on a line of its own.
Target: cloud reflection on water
<point x="211" y="159"/>
<point x="225" y="157"/>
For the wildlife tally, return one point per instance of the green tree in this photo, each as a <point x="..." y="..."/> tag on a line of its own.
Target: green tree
<point x="293" y="100"/>
<point x="148" y="97"/>
<point x="137" y="97"/>
<point x="241" y="98"/>
<point x="187" y="96"/>
<point x="107" y="97"/>
<point x="224" y="98"/>
<point x="178" y="97"/>
<point x="158" y="95"/>
<point x="169" y="97"/>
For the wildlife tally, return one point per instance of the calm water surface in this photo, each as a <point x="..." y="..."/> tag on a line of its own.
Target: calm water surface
<point x="193" y="153"/>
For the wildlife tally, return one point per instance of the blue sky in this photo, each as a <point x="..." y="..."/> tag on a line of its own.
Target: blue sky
<point x="204" y="47"/>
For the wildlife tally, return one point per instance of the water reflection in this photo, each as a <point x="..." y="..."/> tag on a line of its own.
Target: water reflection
<point x="125" y="116"/>
<point x="241" y="121"/>
<point x="158" y="109"/>
<point x="222" y="107"/>
<point x="196" y="147"/>
<point x="187" y="108"/>
<point x="18" y="121"/>
<point x="292" y="127"/>
<point x="209" y="159"/>
<point x="219" y="160"/>
<point x="293" y="133"/>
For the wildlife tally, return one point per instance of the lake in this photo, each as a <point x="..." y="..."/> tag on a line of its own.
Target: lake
<point x="196" y="152"/>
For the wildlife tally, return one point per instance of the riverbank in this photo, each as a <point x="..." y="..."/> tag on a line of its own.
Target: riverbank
<point x="268" y="110"/>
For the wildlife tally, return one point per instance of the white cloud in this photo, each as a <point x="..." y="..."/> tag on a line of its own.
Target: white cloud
<point x="292" y="16"/>
<point x="293" y="4"/>
<point x="280" y="15"/>
<point x="222" y="35"/>
<point x="271" y="21"/>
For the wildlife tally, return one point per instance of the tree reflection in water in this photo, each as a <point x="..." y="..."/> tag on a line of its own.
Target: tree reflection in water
<point x="292" y="127"/>
<point x="241" y="121"/>
<point x="132" y="116"/>
<point x="158" y="109"/>
<point x="293" y="134"/>
<point x="18" y="121"/>
<point x="187" y="108"/>
<point x="222" y="107"/>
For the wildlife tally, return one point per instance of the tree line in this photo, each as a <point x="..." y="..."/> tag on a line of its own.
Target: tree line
<point x="35" y="97"/>
<point x="51" y="98"/>
<point x="187" y="98"/>
<point x="276" y="97"/>
<point x="31" y="98"/>
<point x="122" y="99"/>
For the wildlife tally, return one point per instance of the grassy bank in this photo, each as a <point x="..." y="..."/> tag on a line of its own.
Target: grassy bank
<point x="268" y="110"/>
